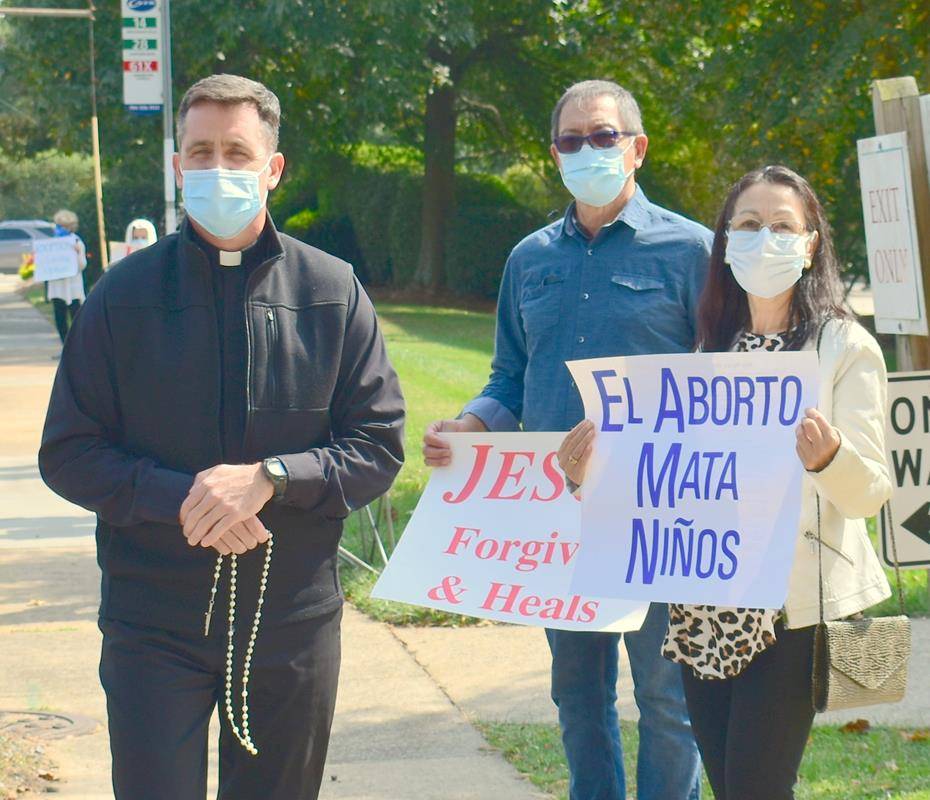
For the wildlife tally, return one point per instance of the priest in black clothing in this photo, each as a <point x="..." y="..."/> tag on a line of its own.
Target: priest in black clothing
<point x="223" y="402"/>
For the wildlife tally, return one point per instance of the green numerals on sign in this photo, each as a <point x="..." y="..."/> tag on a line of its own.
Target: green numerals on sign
<point x="140" y="22"/>
<point x="140" y="44"/>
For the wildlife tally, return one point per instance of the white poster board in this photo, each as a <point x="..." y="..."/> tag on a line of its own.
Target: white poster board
<point x="55" y="258"/>
<point x="908" y="446"/>
<point x="142" y="56"/>
<point x="120" y="250"/>
<point x="891" y="235"/>
<point x="693" y="494"/>
<point x="496" y="535"/>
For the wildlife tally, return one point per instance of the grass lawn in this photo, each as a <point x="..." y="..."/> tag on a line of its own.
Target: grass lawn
<point x="880" y="763"/>
<point x="443" y="357"/>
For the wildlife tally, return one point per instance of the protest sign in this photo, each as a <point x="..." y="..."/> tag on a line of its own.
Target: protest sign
<point x="496" y="535"/>
<point x="693" y="494"/>
<point x="120" y="250"/>
<point x="55" y="258"/>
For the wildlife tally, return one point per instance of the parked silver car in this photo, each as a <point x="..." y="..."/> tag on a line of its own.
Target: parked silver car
<point x="16" y="238"/>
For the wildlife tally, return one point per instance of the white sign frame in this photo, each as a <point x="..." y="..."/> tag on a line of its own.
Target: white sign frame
<point x="906" y="427"/>
<point x="886" y="189"/>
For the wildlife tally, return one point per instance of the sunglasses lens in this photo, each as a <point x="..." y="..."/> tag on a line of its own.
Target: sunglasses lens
<point x="569" y="143"/>
<point x="604" y="139"/>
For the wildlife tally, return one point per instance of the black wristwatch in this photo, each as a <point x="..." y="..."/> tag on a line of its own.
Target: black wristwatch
<point x="276" y="472"/>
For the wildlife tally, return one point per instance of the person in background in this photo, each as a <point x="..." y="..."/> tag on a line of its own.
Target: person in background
<point x="140" y="233"/>
<point x="67" y="294"/>
<point x="774" y="285"/>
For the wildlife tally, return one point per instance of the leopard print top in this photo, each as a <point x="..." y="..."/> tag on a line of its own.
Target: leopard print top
<point x="719" y="642"/>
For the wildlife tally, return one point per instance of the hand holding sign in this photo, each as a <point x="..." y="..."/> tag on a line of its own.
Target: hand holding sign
<point x="576" y="449"/>
<point x="817" y="442"/>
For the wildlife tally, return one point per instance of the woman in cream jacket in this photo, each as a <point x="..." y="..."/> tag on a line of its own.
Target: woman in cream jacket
<point x="773" y="284"/>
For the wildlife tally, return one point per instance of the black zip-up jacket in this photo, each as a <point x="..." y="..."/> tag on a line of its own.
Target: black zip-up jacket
<point x="133" y="417"/>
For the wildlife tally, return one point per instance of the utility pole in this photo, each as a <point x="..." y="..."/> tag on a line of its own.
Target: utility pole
<point x="171" y="209"/>
<point x="95" y="145"/>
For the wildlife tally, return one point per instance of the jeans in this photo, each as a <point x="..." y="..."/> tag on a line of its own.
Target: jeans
<point x="584" y="688"/>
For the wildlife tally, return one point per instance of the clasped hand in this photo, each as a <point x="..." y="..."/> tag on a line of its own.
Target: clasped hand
<point x="220" y="510"/>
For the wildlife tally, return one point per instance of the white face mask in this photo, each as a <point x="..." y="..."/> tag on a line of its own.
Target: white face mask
<point x="766" y="264"/>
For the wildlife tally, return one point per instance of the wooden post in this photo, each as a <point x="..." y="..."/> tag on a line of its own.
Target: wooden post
<point x="896" y="107"/>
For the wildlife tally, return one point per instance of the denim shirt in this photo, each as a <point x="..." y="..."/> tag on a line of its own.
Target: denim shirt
<point x="631" y="290"/>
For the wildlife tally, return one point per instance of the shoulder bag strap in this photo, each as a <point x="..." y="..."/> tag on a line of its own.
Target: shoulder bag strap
<point x="886" y="509"/>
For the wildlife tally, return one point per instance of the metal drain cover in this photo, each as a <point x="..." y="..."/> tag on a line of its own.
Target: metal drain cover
<point x="45" y="724"/>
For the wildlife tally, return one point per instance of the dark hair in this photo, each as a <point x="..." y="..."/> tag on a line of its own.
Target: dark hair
<point x="723" y="311"/>
<point x="232" y="90"/>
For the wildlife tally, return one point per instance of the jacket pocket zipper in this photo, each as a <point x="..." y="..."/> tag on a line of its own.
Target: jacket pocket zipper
<point x="271" y="329"/>
<point x="812" y="538"/>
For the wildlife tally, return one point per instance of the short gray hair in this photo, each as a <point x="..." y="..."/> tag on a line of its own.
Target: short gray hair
<point x="233" y="90"/>
<point x="586" y="91"/>
<point x="66" y="219"/>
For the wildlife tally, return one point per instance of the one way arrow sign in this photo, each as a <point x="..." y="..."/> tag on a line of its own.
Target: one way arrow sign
<point x="908" y="450"/>
<point x="918" y="523"/>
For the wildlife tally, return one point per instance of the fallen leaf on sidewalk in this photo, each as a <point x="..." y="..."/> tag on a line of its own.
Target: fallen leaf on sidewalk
<point x="33" y="603"/>
<point x="48" y="776"/>
<point x="859" y="726"/>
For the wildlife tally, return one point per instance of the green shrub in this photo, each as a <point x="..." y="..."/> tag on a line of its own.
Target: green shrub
<point x="488" y="223"/>
<point x="332" y="234"/>
<point x="365" y="206"/>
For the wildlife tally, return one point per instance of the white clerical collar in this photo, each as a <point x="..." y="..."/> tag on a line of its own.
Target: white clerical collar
<point x="230" y="258"/>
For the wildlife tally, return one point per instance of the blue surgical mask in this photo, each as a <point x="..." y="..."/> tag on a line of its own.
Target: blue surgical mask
<point x="595" y="177"/>
<point x="223" y="201"/>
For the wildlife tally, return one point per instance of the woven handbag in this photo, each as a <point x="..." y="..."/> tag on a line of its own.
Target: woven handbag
<point x="860" y="662"/>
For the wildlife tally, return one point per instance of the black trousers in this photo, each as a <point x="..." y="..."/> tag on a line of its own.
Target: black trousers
<point x="752" y="729"/>
<point x="64" y="311"/>
<point x="161" y="689"/>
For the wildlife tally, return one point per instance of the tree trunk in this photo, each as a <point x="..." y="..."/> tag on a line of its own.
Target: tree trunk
<point x="438" y="185"/>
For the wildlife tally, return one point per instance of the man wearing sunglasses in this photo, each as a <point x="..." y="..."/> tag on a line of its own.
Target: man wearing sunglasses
<point x="616" y="276"/>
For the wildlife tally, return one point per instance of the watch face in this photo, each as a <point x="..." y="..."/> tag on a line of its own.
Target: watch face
<point x="275" y="468"/>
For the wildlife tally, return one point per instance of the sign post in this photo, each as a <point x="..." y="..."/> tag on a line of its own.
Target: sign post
<point x="142" y="57"/>
<point x="898" y="107"/>
<point x="146" y="35"/>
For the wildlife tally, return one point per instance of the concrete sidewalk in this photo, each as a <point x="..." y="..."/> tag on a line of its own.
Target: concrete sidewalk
<point x="519" y="691"/>
<point x="396" y="734"/>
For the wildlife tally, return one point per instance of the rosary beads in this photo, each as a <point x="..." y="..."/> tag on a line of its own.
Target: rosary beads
<point x="244" y="736"/>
